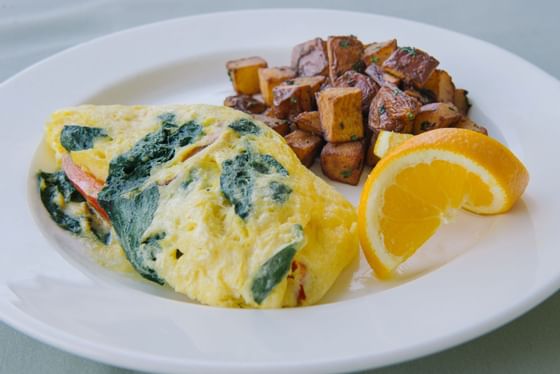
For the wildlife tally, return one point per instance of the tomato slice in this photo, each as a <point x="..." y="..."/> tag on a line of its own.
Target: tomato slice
<point x="86" y="184"/>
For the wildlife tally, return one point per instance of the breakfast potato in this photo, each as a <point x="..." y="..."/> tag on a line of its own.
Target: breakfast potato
<point x="375" y="72"/>
<point x="363" y="82"/>
<point x="272" y="77"/>
<point x="389" y="78"/>
<point x="243" y="74"/>
<point x="310" y="58"/>
<point x="441" y="85"/>
<point x="343" y="162"/>
<point x="281" y="126"/>
<point x="422" y="97"/>
<point x="461" y="101"/>
<point x="370" y="157"/>
<point x="392" y="110"/>
<point x="377" y="53"/>
<point x="340" y="111"/>
<point x="309" y="121"/>
<point x="411" y="65"/>
<point x="436" y="116"/>
<point x="295" y="96"/>
<point x="305" y="145"/>
<point x="245" y="103"/>
<point x="468" y="124"/>
<point x="344" y="53"/>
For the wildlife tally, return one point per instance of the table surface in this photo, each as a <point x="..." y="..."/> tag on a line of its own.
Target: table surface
<point x="32" y="30"/>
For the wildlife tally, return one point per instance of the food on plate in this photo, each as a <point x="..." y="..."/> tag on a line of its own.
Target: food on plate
<point x="341" y="114"/>
<point x="281" y="126"/>
<point x="243" y="74"/>
<point x="386" y="141"/>
<point x="305" y="145"/>
<point x="392" y="84"/>
<point x="205" y="199"/>
<point x="419" y="185"/>
<point x="343" y="161"/>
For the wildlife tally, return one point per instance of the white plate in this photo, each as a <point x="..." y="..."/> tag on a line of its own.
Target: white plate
<point x="494" y="268"/>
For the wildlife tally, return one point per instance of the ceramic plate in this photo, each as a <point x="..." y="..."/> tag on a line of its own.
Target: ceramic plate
<point x="473" y="276"/>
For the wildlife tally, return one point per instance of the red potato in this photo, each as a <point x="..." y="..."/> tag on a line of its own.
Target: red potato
<point x="310" y="58"/>
<point x="305" y="145"/>
<point x="343" y="162"/>
<point x="411" y="65"/>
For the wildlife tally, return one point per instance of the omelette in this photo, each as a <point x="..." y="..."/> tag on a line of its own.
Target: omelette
<point x="203" y="199"/>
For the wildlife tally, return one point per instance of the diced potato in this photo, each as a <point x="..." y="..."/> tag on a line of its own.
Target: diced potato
<point x="343" y="162"/>
<point x="295" y="96"/>
<point x="309" y="121"/>
<point x="243" y="74"/>
<point x="281" y="126"/>
<point x="436" y="116"/>
<point x="421" y="97"/>
<point x="340" y="112"/>
<point x="371" y="158"/>
<point x="245" y="103"/>
<point x="272" y="77"/>
<point x="467" y="123"/>
<point x="376" y="73"/>
<point x="310" y="58"/>
<point x="344" y="53"/>
<point x="461" y="101"/>
<point x="387" y="141"/>
<point x="392" y="110"/>
<point x="305" y="145"/>
<point x="377" y="53"/>
<point x="410" y="64"/>
<point x="441" y="85"/>
<point x="389" y="78"/>
<point x="353" y="79"/>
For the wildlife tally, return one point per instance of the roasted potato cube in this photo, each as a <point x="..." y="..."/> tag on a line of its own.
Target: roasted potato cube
<point x="343" y="162"/>
<point x="305" y="145"/>
<point x="344" y="53"/>
<point x="309" y="121"/>
<point x="436" y="116"/>
<point x="461" y="101"/>
<point x="411" y="65"/>
<point x="441" y="86"/>
<point x="340" y="110"/>
<point x="376" y="73"/>
<point x="272" y="77"/>
<point x="371" y="158"/>
<point x="389" y="78"/>
<point x="392" y="110"/>
<point x="245" y="103"/>
<point x="353" y="79"/>
<point x="281" y="126"/>
<point x="468" y="124"/>
<point x="377" y="53"/>
<point x="420" y="96"/>
<point x="310" y="58"/>
<point x="243" y="74"/>
<point x="295" y="96"/>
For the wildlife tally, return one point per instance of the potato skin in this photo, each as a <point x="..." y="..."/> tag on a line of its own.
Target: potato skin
<point x="343" y="162"/>
<point x="436" y="116"/>
<point x="344" y="53"/>
<point x="410" y="64"/>
<point x="310" y="122"/>
<point x="468" y="124"/>
<point x="305" y="145"/>
<point x="245" y="103"/>
<point x="295" y="96"/>
<point x="376" y="73"/>
<point x="377" y="53"/>
<point x="370" y="158"/>
<point x="353" y="79"/>
<point x="392" y="110"/>
<point x="310" y="58"/>
<point x="461" y="101"/>
<point x="340" y="111"/>
<point x="281" y="126"/>
<point x="243" y="74"/>
<point x="272" y="77"/>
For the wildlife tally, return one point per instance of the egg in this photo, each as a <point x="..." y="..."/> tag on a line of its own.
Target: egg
<point x="209" y="201"/>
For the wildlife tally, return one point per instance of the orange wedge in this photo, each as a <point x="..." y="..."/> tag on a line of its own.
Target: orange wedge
<point x="419" y="184"/>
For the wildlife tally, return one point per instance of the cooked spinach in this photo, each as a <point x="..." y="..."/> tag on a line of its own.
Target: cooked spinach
<point x="238" y="177"/>
<point x="275" y="268"/>
<point x="131" y="214"/>
<point x="280" y="191"/>
<point x="78" y="138"/>
<point x="245" y="126"/>
<point x="56" y="186"/>
<point x="99" y="227"/>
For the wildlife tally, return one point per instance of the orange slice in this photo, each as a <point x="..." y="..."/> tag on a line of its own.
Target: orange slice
<point x="418" y="185"/>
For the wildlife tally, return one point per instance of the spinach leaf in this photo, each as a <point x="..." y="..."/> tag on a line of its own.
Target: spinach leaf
<point x="275" y="268"/>
<point x="78" y="138"/>
<point x="245" y="126"/>
<point x="238" y="176"/>
<point x="131" y="216"/>
<point x="99" y="227"/>
<point x="280" y="192"/>
<point x="53" y="187"/>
